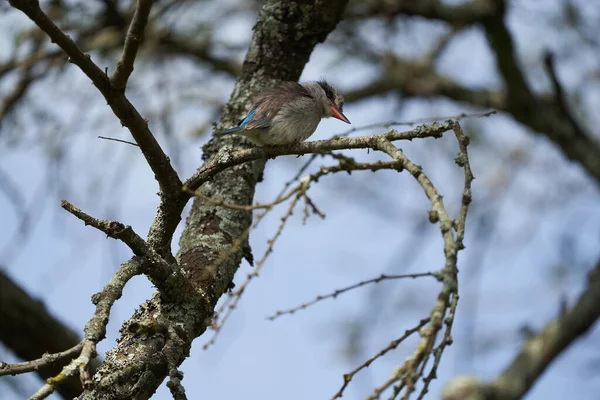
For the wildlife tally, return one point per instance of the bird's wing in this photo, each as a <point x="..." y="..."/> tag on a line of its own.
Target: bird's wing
<point x="269" y="102"/>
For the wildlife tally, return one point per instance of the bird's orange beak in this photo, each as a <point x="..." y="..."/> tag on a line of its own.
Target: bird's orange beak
<point x="338" y="114"/>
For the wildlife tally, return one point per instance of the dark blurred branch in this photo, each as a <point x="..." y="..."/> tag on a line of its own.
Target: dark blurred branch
<point x="537" y="353"/>
<point x="30" y="331"/>
<point x="16" y="93"/>
<point x="413" y="78"/>
<point x="559" y="93"/>
<point x="460" y="15"/>
<point x="133" y="40"/>
<point x="532" y="110"/>
<point x="172" y="44"/>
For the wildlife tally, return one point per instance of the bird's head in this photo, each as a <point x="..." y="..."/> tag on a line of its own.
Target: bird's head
<point x="333" y="102"/>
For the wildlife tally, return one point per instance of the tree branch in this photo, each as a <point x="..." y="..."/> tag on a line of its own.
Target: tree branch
<point x="532" y="110"/>
<point x="537" y="353"/>
<point x="30" y="331"/>
<point x="228" y="157"/>
<point x="42" y="362"/>
<point x="160" y="164"/>
<point x="200" y="51"/>
<point x="166" y="277"/>
<point x="456" y="15"/>
<point x="133" y="40"/>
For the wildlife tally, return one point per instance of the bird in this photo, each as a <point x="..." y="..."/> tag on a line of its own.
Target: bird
<point x="289" y="113"/>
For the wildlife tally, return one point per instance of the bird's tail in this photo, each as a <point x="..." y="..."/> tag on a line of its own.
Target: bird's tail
<point x="229" y="131"/>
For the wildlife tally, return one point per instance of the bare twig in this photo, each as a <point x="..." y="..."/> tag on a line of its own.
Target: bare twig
<point x="462" y="160"/>
<point x="337" y="292"/>
<point x="348" y="377"/>
<point x="235" y="296"/>
<point x="539" y="351"/>
<point x="346" y="164"/>
<point x="10" y="100"/>
<point x="34" y="365"/>
<point x="113" y="229"/>
<point x="166" y="176"/>
<point x="119" y="140"/>
<point x="165" y="276"/>
<point x="88" y="352"/>
<point x="257" y="206"/>
<point x="133" y="40"/>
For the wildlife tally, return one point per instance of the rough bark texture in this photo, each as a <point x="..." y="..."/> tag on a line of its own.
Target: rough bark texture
<point x="159" y="335"/>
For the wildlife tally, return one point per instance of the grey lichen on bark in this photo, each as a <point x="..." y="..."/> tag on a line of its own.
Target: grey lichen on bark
<point x="158" y="336"/>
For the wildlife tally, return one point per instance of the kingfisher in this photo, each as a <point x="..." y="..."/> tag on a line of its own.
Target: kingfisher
<point x="289" y="113"/>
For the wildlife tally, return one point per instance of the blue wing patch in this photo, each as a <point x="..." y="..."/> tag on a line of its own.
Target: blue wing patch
<point x="248" y="118"/>
<point x="249" y="122"/>
<point x="259" y="123"/>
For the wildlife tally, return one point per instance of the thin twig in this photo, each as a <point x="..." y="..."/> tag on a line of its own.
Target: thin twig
<point x="560" y="95"/>
<point x="113" y="229"/>
<point x="118" y="140"/>
<point x="240" y="290"/>
<point x="337" y="292"/>
<point x="158" y="161"/>
<point x="165" y="276"/>
<point x="348" y="377"/>
<point x="230" y="304"/>
<point x="133" y="40"/>
<point x="88" y="352"/>
<point x="34" y="365"/>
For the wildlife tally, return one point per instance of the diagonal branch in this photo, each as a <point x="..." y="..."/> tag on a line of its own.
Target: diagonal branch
<point x="30" y="331"/>
<point x="95" y="330"/>
<point x="166" y="277"/>
<point x="113" y="229"/>
<point x="160" y="164"/>
<point x="533" y="111"/>
<point x="133" y="40"/>
<point x="530" y="109"/>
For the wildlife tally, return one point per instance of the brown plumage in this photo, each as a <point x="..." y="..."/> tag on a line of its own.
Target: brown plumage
<point x="289" y="113"/>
